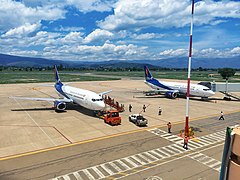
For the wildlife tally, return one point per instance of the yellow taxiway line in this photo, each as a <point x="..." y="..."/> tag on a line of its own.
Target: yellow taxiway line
<point x="101" y="138"/>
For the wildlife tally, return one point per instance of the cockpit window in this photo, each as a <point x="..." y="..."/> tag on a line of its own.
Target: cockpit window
<point x="206" y="89"/>
<point x="97" y="100"/>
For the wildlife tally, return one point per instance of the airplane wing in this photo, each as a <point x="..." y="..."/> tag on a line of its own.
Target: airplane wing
<point x="102" y="93"/>
<point x="43" y="99"/>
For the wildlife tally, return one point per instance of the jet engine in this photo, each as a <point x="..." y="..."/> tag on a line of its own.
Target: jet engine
<point x="59" y="106"/>
<point x="171" y="94"/>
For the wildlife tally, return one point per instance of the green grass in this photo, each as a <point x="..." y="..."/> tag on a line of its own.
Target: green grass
<point x="10" y="77"/>
<point x="181" y="75"/>
<point x="36" y="77"/>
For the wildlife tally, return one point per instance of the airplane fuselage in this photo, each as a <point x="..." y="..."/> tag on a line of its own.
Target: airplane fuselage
<point x="181" y="88"/>
<point x="85" y="98"/>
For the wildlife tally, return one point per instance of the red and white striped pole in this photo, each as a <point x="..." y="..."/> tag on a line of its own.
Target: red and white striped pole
<point x="186" y="132"/>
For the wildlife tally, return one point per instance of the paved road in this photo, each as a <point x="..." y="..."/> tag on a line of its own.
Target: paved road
<point x="148" y="154"/>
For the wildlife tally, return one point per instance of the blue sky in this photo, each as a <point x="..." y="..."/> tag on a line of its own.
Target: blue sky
<point x="98" y="30"/>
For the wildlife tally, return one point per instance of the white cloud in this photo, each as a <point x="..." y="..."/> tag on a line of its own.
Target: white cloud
<point x="72" y="28"/>
<point x="23" y="30"/>
<point x="236" y="50"/>
<point x="98" y="35"/>
<point x="18" y="52"/>
<point x="107" y="51"/>
<point x="92" y="5"/>
<point x="203" y="53"/>
<point x="72" y="37"/>
<point x="14" y="14"/>
<point x="174" y="53"/>
<point x="137" y="14"/>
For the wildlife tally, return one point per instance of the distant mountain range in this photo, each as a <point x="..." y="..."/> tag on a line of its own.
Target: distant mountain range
<point x="181" y="62"/>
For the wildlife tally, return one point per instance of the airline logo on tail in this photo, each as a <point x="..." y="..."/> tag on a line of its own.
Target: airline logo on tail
<point x="56" y="74"/>
<point x="148" y="75"/>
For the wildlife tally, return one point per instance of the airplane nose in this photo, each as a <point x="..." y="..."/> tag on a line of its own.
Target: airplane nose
<point x="212" y="93"/>
<point x="101" y="105"/>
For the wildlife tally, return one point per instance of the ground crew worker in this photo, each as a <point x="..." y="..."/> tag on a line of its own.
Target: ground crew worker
<point x="144" y="108"/>
<point x="185" y="144"/>
<point x="130" y="108"/>
<point x="159" y="111"/>
<point x="169" y="127"/>
<point x="221" y="116"/>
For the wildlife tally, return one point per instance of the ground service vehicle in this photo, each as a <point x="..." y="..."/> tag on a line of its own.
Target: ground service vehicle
<point x="112" y="117"/>
<point x="138" y="119"/>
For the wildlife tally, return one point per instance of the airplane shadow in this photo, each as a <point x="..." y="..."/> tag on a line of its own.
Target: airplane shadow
<point x="211" y="100"/>
<point x="70" y="107"/>
<point x="153" y="97"/>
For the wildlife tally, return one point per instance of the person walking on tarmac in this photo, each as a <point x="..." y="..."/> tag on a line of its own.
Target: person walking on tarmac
<point x="185" y="143"/>
<point x="130" y="108"/>
<point x="159" y="111"/>
<point x="169" y="125"/>
<point x="221" y="116"/>
<point x="144" y="108"/>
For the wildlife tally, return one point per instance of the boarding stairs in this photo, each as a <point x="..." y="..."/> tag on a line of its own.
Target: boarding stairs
<point x="112" y="103"/>
<point x="228" y="94"/>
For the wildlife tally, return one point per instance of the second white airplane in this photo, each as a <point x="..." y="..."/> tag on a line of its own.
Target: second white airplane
<point x="69" y="94"/>
<point x="173" y="89"/>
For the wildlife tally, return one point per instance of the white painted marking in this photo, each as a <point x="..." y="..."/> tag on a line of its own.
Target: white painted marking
<point x="215" y="164"/>
<point x="138" y="160"/>
<point x="204" y="141"/>
<point x="36" y="123"/>
<point x="179" y="147"/>
<point x="166" y="162"/>
<point x="114" y="166"/>
<point x="99" y="173"/>
<point x="174" y="149"/>
<point x="156" y="154"/>
<point x="151" y="156"/>
<point x="166" y="135"/>
<point x="198" y="142"/>
<point x="131" y="162"/>
<point x="219" y="168"/>
<point x="145" y="158"/>
<point x="123" y="164"/>
<point x="163" y="152"/>
<point x="176" y="138"/>
<point x="88" y="174"/>
<point x="168" y="150"/>
<point x="210" y="160"/>
<point x="218" y="137"/>
<point x="210" y="141"/>
<point x="159" y="156"/>
<point x="197" y="145"/>
<point x="213" y="138"/>
<point x="203" y="159"/>
<point x="66" y="177"/>
<point x="107" y="169"/>
<point x="195" y="156"/>
<point x="77" y="176"/>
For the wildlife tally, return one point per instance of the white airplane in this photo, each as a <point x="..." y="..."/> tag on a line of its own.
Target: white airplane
<point x="69" y="94"/>
<point x="173" y="89"/>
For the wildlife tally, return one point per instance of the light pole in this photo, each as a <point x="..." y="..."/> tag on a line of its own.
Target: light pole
<point x="186" y="132"/>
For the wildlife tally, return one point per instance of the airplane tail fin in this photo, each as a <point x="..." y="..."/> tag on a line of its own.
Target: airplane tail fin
<point x="57" y="78"/>
<point x="148" y="75"/>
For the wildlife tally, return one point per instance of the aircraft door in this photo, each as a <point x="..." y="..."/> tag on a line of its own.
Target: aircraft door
<point x="88" y="102"/>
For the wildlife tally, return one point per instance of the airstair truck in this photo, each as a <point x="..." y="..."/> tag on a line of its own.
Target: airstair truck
<point x="112" y="117"/>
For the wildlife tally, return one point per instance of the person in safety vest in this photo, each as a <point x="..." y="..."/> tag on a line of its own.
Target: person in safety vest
<point x="169" y="125"/>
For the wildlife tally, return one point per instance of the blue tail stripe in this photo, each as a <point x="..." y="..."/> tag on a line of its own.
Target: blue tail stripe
<point x="155" y="82"/>
<point x="59" y="84"/>
<point x="56" y="74"/>
<point x="149" y="78"/>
